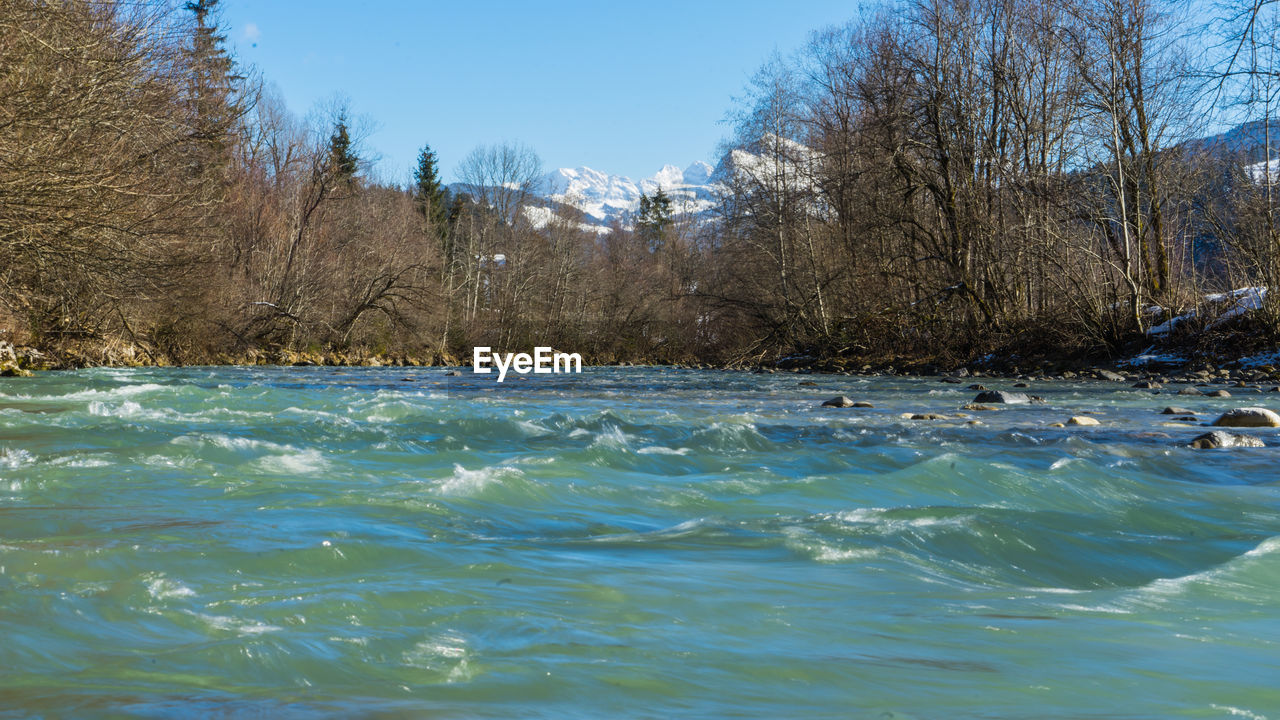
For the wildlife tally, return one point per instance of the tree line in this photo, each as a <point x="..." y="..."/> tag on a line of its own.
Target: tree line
<point x="935" y="179"/>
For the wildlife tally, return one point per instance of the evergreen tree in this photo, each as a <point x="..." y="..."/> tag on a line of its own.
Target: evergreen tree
<point x="213" y="88"/>
<point x="429" y="195"/>
<point x="653" y="219"/>
<point x="344" y="161"/>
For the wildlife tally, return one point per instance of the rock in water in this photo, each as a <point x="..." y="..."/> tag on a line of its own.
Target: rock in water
<point x="863" y="404"/>
<point x="1109" y="375"/>
<point x="1224" y="439"/>
<point x="11" y="369"/>
<point x="1148" y="385"/>
<point x="839" y="401"/>
<point x="1248" y="417"/>
<point x="1083" y="420"/>
<point x="1190" y="391"/>
<point x="1176" y="411"/>
<point x="1000" y="396"/>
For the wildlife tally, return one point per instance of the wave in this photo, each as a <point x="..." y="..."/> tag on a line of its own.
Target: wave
<point x="300" y="462"/>
<point x="11" y="459"/>
<point x="163" y="588"/>
<point x="239" y="626"/>
<point x="117" y="393"/>
<point x="1252" y="576"/>
<point x="660" y="450"/>
<point x="730" y="437"/>
<point x="465" y="482"/>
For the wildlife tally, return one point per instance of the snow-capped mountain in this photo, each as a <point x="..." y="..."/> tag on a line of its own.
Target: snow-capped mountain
<point x="605" y="198"/>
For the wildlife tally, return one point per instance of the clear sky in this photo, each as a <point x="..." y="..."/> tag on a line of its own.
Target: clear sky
<point x="619" y="86"/>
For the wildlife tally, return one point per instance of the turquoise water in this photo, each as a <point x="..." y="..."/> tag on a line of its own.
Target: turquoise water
<point x="629" y="543"/>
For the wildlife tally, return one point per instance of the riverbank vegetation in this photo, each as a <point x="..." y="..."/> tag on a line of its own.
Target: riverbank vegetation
<point x="937" y="180"/>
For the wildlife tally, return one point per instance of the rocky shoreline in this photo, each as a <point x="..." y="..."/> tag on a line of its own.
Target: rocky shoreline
<point x="21" y="360"/>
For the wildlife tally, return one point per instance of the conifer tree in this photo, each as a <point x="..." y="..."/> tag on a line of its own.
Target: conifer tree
<point x="214" y="87"/>
<point x="342" y="158"/>
<point x="430" y="197"/>
<point x="653" y="219"/>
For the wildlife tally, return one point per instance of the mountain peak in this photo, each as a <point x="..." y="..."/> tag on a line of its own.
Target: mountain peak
<point x="669" y="177"/>
<point x="605" y="198"/>
<point x="698" y="173"/>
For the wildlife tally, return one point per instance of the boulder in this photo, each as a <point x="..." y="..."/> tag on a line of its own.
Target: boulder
<point x="928" y="416"/>
<point x="1147" y="385"/>
<point x="1021" y="385"/>
<point x="1248" y="417"/>
<point x="1000" y="396"/>
<point x="808" y="383"/>
<point x="862" y="404"/>
<point x="1219" y="394"/>
<point x="977" y="386"/>
<point x="1176" y="411"/>
<point x="1190" y="391"/>
<point x="951" y="379"/>
<point x="1224" y="439"/>
<point x="839" y="401"/>
<point x="11" y="369"/>
<point x="1109" y="375"/>
<point x="978" y="408"/>
<point x="1083" y="420"/>
<point x="452" y="373"/>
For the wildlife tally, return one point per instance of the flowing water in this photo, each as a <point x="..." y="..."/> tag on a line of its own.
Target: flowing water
<point x="632" y="543"/>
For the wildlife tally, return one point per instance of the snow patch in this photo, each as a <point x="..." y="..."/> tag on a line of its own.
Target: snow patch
<point x="1239" y="302"/>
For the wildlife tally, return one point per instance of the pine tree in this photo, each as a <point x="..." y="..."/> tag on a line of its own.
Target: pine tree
<point x="429" y="195"/>
<point x="344" y="161"/>
<point x="214" y="88"/>
<point x="653" y="219"/>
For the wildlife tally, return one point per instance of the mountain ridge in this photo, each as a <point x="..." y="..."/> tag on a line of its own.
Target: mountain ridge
<point x="607" y="199"/>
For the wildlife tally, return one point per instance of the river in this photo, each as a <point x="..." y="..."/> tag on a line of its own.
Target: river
<point x="625" y="543"/>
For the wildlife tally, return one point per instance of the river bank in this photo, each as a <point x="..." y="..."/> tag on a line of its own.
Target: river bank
<point x="1186" y="362"/>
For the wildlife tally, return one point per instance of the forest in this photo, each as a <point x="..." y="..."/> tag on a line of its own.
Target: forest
<point x="934" y="181"/>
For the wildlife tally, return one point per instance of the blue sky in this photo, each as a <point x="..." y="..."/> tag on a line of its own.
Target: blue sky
<point x="622" y="87"/>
